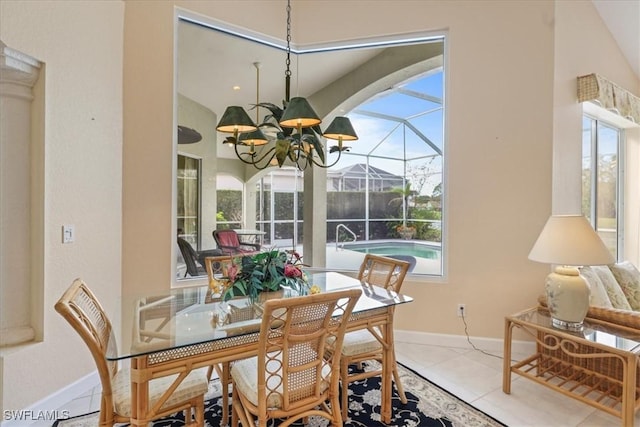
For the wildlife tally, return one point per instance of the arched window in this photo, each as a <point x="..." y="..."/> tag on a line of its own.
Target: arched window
<point x="385" y="194"/>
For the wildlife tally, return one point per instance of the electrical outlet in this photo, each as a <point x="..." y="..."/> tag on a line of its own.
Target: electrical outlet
<point x="462" y="310"/>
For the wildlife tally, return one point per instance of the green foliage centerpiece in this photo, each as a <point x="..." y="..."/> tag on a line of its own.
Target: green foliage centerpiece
<point x="268" y="271"/>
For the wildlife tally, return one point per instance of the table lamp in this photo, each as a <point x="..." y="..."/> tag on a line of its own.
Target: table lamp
<point x="568" y="241"/>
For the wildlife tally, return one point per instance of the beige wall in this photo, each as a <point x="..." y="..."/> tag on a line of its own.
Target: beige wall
<point x="632" y="197"/>
<point x="500" y="110"/>
<point x="584" y="46"/>
<point x="501" y="130"/>
<point x="80" y="44"/>
<point x="504" y="114"/>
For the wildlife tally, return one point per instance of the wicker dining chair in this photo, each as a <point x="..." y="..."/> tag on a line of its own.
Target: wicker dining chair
<point x="79" y="306"/>
<point x="362" y="345"/>
<point x="217" y="266"/>
<point x="297" y="367"/>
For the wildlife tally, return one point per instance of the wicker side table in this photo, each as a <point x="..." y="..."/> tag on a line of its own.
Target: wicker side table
<point x="597" y="366"/>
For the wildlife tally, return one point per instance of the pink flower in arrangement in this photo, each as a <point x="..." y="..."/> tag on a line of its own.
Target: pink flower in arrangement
<point x="292" y="271"/>
<point x="232" y="272"/>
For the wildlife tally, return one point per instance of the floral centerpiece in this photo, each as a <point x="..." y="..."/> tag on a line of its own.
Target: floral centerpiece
<point x="268" y="271"/>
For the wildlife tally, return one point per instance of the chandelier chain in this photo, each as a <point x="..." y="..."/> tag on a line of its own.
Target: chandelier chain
<point x="288" y="72"/>
<point x="300" y="148"/>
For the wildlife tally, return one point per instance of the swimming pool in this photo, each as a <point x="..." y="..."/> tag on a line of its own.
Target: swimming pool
<point x="396" y="247"/>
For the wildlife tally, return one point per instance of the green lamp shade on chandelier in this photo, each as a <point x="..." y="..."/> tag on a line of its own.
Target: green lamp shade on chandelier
<point x="235" y="120"/>
<point x="256" y="138"/>
<point x="299" y="114"/>
<point x="341" y="129"/>
<point x="302" y="149"/>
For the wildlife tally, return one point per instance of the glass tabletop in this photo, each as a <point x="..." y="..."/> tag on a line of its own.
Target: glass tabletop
<point x="597" y="332"/>
<point x="191" y="315"/>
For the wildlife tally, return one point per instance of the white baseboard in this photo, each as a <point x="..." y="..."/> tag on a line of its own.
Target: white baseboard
<point x="51" y="403"/>
<point x="491" y="345"/>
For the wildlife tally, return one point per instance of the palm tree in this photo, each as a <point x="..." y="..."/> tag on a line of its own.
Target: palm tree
<point x="403" y="200"/>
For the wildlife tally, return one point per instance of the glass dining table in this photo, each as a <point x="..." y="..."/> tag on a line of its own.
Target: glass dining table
<point x="189" y="328"/>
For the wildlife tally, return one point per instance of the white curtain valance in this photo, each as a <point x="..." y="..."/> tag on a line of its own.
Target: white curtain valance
<point x="610" y="96"/>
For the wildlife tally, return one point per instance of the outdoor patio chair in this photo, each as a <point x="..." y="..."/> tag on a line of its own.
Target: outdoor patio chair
<point x="229" y="242"/>
<point x="195" y="261"/>
<point x="217" y="265"/>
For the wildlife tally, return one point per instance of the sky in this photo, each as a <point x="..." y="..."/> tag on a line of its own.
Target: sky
<point x="390" y="139"/>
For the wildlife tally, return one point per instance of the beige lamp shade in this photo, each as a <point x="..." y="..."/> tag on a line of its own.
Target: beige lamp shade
<point x="570" y="240"/>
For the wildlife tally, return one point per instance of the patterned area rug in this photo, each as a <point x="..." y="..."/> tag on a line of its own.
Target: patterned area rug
<point x="427" y="405"/>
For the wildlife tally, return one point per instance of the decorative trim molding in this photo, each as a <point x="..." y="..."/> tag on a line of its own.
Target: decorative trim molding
<point x="18" y="69"/>
<point x="610" y="96"/>
<point x="18" y="75"/>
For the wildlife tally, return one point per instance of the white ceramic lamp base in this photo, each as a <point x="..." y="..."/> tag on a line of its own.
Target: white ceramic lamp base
<point x="567" y="297"/>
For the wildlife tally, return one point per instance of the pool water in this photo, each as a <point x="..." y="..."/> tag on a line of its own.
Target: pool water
<point x="396" y="248"/>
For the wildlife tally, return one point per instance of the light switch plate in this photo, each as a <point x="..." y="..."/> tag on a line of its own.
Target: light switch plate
<point x="68" y="233"/>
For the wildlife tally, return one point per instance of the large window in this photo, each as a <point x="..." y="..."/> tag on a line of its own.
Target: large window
<point x="385" y="194"/>
<point x="388" y="185"/>
<point x="602" y="181"/>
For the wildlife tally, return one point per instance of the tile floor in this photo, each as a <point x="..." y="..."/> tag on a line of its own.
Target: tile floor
<point x="474" y="377"/>
<point x="477" y="378"/>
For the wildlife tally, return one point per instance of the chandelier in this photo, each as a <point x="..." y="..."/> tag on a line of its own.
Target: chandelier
<point x="297" y="126"/>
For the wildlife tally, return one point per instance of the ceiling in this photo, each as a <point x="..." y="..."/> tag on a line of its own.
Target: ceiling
<point x="205" y="56"/>
<point x="622" y="17"/>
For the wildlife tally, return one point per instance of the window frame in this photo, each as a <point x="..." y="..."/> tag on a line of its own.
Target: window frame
<point x="198" y="216"/>
<point x="596" y="123"/>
